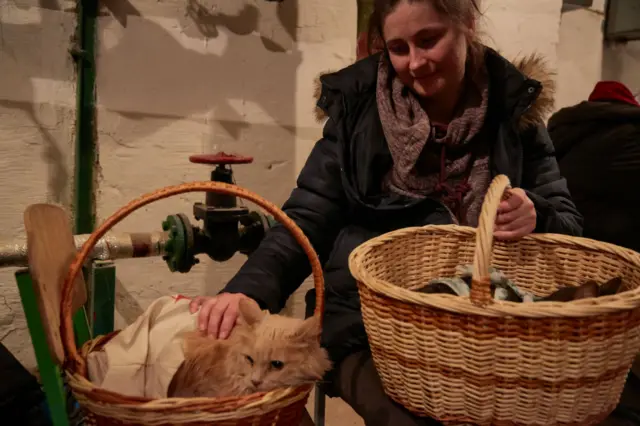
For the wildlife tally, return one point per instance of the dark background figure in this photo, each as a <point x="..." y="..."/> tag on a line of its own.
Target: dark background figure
<point x="597" y="145"/>
<point x="22" y="401"/>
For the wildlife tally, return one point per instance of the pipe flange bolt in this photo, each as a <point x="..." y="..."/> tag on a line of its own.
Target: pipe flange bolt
<point x="179" y="246"/>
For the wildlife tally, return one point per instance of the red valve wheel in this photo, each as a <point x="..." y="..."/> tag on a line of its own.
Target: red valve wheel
<point x="220" y="158"/>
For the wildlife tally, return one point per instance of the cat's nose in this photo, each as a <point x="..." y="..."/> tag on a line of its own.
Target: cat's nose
<point x="256" y="382"/>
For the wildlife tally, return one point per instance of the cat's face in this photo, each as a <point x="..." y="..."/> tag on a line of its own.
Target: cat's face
<point x="274" y="351"/>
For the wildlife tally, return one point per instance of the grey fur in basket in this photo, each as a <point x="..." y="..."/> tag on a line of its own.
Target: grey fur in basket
<point x="502" y="288"/>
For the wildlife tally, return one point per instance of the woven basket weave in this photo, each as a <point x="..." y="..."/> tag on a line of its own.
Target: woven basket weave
<point x="283" y="407"/>
<point x="480" y="361"/>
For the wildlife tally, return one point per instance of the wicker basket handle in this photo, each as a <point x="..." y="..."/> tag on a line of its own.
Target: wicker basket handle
<point x="481" y="281"/>
<point x="74" y="361"/>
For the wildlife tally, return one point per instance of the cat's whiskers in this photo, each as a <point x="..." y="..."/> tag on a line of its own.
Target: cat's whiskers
<point x="273" y="350"/>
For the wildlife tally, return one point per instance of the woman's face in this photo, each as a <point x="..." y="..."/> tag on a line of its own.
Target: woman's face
<point x="427" y="50"/>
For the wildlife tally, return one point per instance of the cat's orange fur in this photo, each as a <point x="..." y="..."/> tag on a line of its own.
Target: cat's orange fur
<point x="264" y="352"/>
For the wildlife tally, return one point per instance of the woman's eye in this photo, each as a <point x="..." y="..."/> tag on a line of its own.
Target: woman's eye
<point x="398" y="50"/>
<point x="427" y="42"/>
<point x="249" y="359"/>
<point x="277" y="365"/>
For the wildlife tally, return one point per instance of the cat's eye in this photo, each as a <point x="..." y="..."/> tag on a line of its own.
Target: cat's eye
<point x="249" y="359"/>
<point x="277" y="365"/>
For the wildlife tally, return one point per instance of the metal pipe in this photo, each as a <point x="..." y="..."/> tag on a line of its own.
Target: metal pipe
<point x="85" y="156"/>
<point x="110" y="247"/>
<point x="364" y="9"/>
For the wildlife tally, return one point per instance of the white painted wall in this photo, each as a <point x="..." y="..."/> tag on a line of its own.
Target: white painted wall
<point x="37" y="116"/>
<point x="583" y="60"/>
<point x="622" y="63"/>
<point x="580" y="54"/>
<point x="236" y="76"/>
<point x="518" y="28"/>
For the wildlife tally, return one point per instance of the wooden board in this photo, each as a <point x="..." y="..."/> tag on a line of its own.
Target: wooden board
<point x="50" y="250"/>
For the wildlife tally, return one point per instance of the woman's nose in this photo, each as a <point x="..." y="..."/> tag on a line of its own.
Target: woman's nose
<point x="416" y="61"/>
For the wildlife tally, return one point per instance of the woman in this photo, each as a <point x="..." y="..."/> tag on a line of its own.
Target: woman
<point x="414" y="136"/>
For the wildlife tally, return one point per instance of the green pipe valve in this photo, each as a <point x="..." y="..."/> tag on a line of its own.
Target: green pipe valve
<point x="228" y="228"/>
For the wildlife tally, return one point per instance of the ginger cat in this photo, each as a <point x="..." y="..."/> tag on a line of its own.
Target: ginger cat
<point x="264" y="352"/>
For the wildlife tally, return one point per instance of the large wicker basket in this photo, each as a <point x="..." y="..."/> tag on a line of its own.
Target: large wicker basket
<point x="475" y="360"/>
<point x="281" y="407"/>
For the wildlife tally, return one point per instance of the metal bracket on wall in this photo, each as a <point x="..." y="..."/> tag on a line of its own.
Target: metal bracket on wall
<point x="568" y="5"/>
<point x="622" y="21"/>
<point x="101" y="289"/>
<point x="581" y="3"/>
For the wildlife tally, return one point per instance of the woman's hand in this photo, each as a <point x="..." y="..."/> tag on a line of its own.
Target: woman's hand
<point x="218" y="314"/>
<point x="516" y="216"/>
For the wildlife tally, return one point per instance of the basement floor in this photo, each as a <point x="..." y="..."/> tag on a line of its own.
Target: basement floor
<point x="337" y="412"/>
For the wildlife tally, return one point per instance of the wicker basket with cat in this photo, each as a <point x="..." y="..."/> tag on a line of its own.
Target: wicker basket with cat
<point x="161" y="370"/>
<point x="485" y="361"/>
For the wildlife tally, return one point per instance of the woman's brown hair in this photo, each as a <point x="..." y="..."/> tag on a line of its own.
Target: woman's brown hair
<point x="460" y="12"/>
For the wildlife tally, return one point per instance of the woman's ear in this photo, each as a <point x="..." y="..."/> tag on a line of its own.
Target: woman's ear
<point x="470" y="30"/>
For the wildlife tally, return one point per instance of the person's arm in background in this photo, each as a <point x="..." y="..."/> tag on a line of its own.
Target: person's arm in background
<point x="543" y="184"/>
<point x="279" y="265"/>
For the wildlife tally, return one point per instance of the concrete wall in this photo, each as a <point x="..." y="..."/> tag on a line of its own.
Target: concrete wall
<point x="179" y="78"/>
<point x="37" y="104"/>
<point x="580" y="54"/>
<point x="583" y="59"/>
<point x="517" y="28"/>
<point x="622" y="62"/>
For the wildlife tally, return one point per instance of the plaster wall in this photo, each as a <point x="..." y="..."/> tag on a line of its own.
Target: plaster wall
<point x="37" y="118"/>
<point x="179" y="78"/>
<point x="583" y="58"/>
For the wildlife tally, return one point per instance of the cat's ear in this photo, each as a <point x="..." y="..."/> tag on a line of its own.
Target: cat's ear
<point x="310" y="329"/>
<point x="611" y="287"/>
<point x="250" y="311"/>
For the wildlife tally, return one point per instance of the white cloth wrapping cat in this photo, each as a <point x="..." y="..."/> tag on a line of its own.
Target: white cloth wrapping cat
<point x="142" y="359"/>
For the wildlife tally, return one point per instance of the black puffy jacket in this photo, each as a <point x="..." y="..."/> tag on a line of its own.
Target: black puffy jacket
<point x="338" y="201"/>
<point x="598" y="151"/>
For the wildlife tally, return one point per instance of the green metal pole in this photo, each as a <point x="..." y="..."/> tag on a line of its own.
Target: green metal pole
<point x="103" y="297"/>
<point x="81" y="327"/>
<point x="365" y="7"/>
<point x="49" y="371"/>
<point x="84" y="54"/>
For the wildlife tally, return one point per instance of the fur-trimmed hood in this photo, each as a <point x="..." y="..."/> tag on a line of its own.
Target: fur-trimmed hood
<point x="531" y="68"/>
